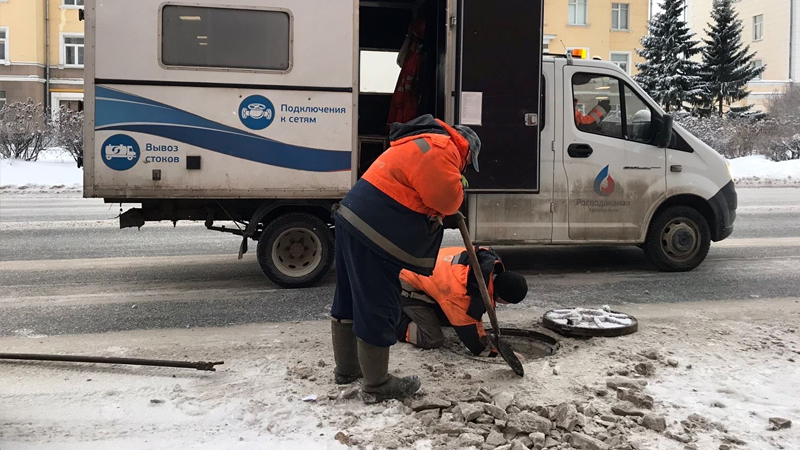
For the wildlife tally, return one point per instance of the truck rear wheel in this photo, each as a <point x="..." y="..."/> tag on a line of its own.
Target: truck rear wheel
<point x="678" y="239"/>
<point x="295" y="250"/>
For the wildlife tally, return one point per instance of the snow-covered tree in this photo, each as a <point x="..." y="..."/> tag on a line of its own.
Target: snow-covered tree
<point x="727" y="64"/>
<point x="68" y="133"/>
<point x="669" y="74"/>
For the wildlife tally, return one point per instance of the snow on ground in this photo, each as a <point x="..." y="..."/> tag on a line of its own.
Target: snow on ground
<point x="758" y="170"/>
<point x="54" y="170"/>
<point x="731" y="362"/>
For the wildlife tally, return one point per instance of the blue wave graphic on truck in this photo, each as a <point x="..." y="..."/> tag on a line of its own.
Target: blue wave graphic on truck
<point x="120" y="111"/>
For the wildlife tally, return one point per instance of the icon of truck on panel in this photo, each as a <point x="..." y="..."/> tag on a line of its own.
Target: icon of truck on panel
<point x="120" y="151"/>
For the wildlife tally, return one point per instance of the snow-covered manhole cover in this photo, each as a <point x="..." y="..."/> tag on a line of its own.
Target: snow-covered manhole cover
<point x="590" y="322"/>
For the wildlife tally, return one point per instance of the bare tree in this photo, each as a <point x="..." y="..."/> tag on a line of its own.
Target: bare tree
<point x="68" y="133"/>
<point x="23" y="130"/>
<point x="783" y="139"/>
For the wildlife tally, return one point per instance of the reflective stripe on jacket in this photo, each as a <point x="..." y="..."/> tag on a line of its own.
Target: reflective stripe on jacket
<point x="593" y="117"/>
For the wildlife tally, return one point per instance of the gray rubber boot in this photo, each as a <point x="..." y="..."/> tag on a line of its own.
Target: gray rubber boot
<point x="378" y="385"/>
<point x="345" y="352"/>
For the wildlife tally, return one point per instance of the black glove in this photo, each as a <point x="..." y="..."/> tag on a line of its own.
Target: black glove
<point x="606" y="105"/>
<point x="451" y="222"/>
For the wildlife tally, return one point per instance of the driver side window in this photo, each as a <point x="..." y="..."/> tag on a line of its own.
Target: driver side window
<point x="598" y="107"/>
<point x="596" y="103"/>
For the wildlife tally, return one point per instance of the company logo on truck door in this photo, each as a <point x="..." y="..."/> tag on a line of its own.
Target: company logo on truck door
<point x="604" y="184"/>
<point x="120" y="152"/>
<point x="256" y="112"/>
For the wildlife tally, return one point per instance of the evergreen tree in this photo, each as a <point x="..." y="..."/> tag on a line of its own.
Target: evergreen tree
<point x="669" y="75"/>
<point x="727" y="64"/>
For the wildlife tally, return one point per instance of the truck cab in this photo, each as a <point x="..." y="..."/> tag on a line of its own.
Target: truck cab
<point x="626" y="177"/>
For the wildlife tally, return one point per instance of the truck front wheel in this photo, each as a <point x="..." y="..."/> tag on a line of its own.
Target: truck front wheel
<point x="295" y="250"/>
<point x="678" y="239"/>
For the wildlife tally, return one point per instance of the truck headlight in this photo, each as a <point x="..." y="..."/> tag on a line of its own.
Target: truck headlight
<point x="730" y="170"/>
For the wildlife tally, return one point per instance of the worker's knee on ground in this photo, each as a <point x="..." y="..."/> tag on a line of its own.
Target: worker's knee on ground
<point x="436" y="342"/>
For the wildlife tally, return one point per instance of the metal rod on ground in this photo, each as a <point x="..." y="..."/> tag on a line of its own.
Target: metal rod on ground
<point x="199" y="365"/>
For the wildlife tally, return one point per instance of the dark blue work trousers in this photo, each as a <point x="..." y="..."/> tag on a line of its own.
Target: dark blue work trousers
<point x="367" y="290"/>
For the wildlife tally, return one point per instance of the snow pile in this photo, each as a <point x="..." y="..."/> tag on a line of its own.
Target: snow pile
<point x="589" y="318"/>
<point x="55" y="168"/>
<point x="761" y="168"/>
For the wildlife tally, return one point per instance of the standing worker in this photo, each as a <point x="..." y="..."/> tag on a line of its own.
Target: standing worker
<point x="450" y="297"/>
<point x="392" y="220"/>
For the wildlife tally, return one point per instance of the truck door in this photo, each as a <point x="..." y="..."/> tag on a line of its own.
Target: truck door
<point x="499" y="71"/>
<point x="615" y="173"/>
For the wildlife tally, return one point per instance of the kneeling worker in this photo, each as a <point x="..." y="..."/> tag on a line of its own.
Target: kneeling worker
<point x="450" y="297"/>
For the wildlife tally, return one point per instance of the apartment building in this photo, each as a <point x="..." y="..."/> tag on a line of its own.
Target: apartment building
<point x="772" y="30"/>
<point x="608" y="29"/>
<point x="41" y="42"/>
<point x="41" y="52"/>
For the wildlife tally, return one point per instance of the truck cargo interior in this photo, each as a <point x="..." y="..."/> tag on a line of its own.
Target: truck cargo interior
<point x="408" y="29"/>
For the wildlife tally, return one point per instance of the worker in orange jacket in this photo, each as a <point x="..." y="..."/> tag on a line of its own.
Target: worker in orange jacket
<point x="389" y="221"/>
<point x="450" y="297"/>
<point x="595" y="116"/>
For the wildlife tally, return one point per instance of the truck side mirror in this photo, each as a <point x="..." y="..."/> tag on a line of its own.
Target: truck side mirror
<point x="665" y="131"/>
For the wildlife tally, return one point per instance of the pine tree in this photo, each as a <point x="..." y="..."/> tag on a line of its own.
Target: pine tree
<point x="669" y="75"/>
<point x="727" y="64"/>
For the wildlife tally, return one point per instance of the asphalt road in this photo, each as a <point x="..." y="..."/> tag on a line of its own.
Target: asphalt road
<point x="66" y="268"/>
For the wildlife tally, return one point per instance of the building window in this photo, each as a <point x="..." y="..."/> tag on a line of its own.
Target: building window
<point x="577" y="12"/>
<point x="73" y="3"/>
<point x="225" y="38"/>
<point x="757" y="64"/>
<point x="620" y="16"/>
<point x="758" y="27"/>
<point x="2" y="98"/>
<point x="72" y="50"/>
<point x="623" y="60"/>
<point x="3" y="45"/>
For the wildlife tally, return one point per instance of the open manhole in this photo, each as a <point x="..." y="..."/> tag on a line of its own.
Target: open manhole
<point x="587" y="322"/>
<point x="529" y="343"/>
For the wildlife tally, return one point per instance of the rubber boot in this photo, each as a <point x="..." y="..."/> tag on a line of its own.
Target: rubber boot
<point x="378" y="385"/>
<point x="345" y="352"/>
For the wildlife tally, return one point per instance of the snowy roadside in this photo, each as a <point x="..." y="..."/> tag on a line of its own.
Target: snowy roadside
<point x="759" y="171"/>
<point x="57" y="173"/>
<point x="721" y="368"/>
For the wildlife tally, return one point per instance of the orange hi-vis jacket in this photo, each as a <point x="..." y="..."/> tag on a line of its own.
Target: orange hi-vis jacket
<point x="454" y="289"/>
<point x="423" y="172"/>
<point x="593" y="117"/>
<point x="419" y="177"/>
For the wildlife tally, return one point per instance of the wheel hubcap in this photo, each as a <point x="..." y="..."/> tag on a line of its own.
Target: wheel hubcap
<point x="680" y="239"/>
<point x="297" y="252"/>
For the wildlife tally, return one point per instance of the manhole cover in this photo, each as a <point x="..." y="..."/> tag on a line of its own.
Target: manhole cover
<point x="602" y="322"/>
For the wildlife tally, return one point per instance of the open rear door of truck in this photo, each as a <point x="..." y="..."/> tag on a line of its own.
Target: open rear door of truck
<point x="498" y="71"/>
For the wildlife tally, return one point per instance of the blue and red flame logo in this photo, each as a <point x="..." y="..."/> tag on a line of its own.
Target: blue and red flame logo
<point x="604" y="184"/>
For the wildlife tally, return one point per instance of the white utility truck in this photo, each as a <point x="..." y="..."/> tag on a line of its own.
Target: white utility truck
<point x="252" y="111"/>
